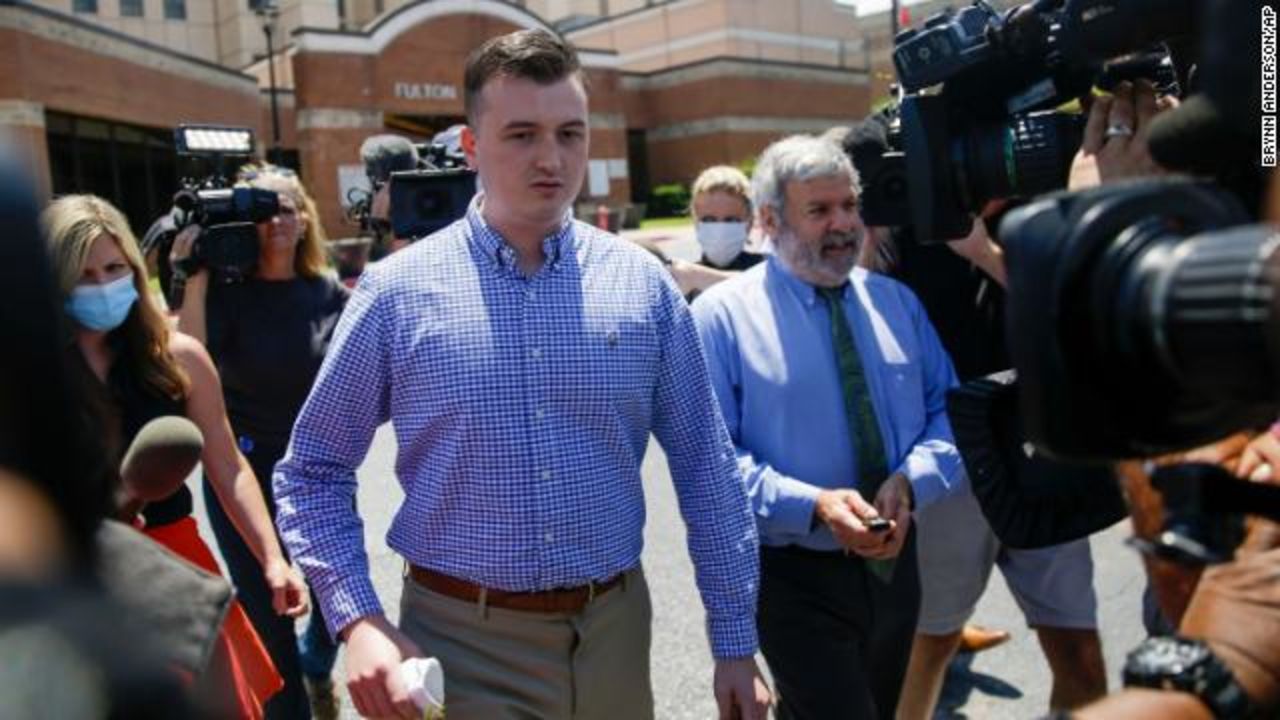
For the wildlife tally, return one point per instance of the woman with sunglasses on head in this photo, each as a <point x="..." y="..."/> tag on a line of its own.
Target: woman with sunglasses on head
<point x="268" y="335"/>
<point x="138" y="370"/>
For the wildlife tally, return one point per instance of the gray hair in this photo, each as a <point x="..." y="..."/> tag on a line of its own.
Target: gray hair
<point x="799" y="157"/>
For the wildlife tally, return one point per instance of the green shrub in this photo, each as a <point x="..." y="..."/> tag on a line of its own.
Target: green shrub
<point x="668" y="201"/>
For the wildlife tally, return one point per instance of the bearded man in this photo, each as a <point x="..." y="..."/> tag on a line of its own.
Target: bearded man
<point x="833" y="385"/>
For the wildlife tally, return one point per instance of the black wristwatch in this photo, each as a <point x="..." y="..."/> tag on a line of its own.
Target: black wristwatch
<point x="1185" y="665"/>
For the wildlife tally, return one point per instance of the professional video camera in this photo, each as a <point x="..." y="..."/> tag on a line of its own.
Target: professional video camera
<point x="976" y="120"/>
<point x="1144" y="318"/>
<point x="228" y="241"/>
<point x="433" y="196"/>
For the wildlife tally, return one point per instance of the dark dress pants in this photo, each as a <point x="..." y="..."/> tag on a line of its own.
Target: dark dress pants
<point x="277" y="631"/>
<point x="837" y="638"/>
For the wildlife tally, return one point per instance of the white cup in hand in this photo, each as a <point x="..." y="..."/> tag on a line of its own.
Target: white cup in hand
<point x="424" y="678"/>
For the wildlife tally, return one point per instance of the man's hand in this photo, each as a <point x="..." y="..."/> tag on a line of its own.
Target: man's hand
<point x="375" y="649"/>
<point x="844" y="511"/>
<point x="741" y="692"/>
<point x="1115" y="136"/>
<point x="288" y="590"/>
<point x="894" y="501"/>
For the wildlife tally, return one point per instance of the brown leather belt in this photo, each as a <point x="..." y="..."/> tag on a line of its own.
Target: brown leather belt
<point x="559" y="600"/>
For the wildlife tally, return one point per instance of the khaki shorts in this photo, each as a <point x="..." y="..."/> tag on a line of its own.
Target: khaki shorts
<point x="957" y="549"/>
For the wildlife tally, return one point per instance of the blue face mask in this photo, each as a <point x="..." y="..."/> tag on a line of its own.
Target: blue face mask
<point x="102" y="307"/>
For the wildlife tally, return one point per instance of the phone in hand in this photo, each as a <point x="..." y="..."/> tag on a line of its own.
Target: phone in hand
<point x="878" y="525"/>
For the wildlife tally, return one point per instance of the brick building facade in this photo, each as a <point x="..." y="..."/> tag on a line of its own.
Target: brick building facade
<point x="675" y="85"/>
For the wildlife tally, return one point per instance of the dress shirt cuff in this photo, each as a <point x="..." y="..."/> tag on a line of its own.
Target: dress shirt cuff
<point x="732" y="636"/>
<point x="346" y="601"/>
<point x="928" y="482"/>
<point x="792" y="511"/>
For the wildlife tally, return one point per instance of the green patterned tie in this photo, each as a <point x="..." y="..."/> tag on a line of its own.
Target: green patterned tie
<point x="861" y="414"/>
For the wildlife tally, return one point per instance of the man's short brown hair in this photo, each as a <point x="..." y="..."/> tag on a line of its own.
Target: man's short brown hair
<point x="535" y="55"/>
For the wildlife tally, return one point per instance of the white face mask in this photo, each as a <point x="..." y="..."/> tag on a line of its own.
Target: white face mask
<point x="722" y="241"/>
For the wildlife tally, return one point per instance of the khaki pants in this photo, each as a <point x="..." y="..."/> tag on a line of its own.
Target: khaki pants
<point x="508" y="665"/>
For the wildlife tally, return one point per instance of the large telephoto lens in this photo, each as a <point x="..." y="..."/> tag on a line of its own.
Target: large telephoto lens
<point x="1143" y="318"/>
<point x="1204" y="306"/>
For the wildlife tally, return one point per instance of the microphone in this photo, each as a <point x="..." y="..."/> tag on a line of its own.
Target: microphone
<point x="385" y="154"/>
<point x="160" y="458"/>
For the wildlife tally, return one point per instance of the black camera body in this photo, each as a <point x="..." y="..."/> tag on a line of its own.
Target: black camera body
<point x="228" y="217"/>
<point x="228" y="241"/>
<point x="424" y="201"/>
<point x="432" y="197"/>
<point x="977" y="120"/>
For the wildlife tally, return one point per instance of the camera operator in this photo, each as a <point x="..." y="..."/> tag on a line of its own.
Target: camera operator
<point x="268" y="335"/>
<point x="957" y="548"/>
<point x="383" y="155"/>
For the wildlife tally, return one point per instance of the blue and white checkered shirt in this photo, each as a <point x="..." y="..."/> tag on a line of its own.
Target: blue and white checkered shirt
<point x="522" y="408"/>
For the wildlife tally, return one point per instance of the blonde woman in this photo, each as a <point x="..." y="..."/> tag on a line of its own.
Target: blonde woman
<point x="268" y="334"/>
<point x="145" y="371"/>
<point x="721" y="206"/>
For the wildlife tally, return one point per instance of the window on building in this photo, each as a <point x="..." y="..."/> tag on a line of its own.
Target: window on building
<point x="85" y="6"/>
<point x="133" y="167"/>
<point x="175" y="9"/>
<point x="130" y="8"/>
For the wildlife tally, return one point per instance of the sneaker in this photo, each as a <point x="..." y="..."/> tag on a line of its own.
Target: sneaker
<point x="323" y="697"/>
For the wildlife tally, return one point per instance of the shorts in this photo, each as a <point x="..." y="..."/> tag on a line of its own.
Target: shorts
<point x="957" y="549"/>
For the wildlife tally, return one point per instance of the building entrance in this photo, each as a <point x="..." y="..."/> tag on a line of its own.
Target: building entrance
<point x="421" y="128"/>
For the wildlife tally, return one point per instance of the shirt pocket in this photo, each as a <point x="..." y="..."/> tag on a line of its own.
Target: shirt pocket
<point x="617" y="362"/>
<point x="904" y="390"/>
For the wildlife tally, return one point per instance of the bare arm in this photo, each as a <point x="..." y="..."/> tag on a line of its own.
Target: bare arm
<point x="191" y="316"/>
<point x="1145" y="703"/>
<point x="978" y="248"/>
<point x="692" y="276"/>
<point x="232" y="477"/>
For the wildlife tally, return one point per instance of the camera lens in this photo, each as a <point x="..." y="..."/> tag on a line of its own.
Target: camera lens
<point x="1028" y="156"/>
<point x="431" y="204"/>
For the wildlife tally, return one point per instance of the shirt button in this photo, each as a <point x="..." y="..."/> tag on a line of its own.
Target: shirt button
<point x="548" y="537"/>
<point x="546" y="474"/>
<point x="539" y="414"/>
<point x="535" y="353"/>
<point x="530" y="294"/>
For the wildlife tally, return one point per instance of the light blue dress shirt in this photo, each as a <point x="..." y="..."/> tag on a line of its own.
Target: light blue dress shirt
<point x="767" y="335"/>
<point x="522" y="409"/>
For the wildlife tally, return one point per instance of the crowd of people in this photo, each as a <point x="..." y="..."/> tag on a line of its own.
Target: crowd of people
<point x="796" y="377"/>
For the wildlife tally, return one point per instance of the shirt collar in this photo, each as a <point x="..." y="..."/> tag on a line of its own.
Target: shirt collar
<point x="495" y="247"/>
<point x="804" y="292"/>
